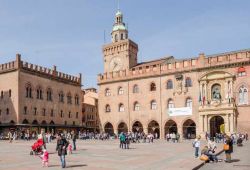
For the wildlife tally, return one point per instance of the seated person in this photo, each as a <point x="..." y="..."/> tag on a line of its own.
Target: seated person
<point x="209" y="154"/>
<point x="239" y="142"/>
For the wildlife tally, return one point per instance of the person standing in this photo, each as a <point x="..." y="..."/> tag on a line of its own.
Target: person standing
<point x="196" y="145"/>
<point x="246" y="136"/>
<point x="10" y="137"/>
<point x="122" y="140"/>
<point x="229" y="151"/>
<point x="74" y="140"/>
<point x="61" y="147"/>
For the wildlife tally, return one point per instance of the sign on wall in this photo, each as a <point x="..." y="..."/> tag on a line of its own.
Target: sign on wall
<point x="181" y="111"/>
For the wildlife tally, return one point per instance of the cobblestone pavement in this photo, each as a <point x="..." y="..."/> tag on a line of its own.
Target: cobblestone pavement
<point x="104" y="155"/>
<point x="240" y="158"/>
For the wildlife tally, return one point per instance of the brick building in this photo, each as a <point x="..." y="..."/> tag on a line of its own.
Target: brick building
<point x="33" y="97"/>
<point x="90" y="116"/>
<point x="207" y="93"/>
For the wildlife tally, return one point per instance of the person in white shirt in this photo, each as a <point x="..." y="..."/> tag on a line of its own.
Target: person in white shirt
<point x="196" y="145"/>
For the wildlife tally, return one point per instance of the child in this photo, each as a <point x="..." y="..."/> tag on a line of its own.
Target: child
<point x="45" y="158"/>
<point x="70" y="148"/>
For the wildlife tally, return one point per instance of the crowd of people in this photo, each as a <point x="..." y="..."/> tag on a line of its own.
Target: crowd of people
<point x="209" y="150"/>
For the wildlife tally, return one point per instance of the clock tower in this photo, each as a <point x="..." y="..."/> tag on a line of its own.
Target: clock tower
<point x="121" y="54"/>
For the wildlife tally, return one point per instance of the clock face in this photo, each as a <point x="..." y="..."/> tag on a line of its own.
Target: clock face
<point x="116" y="64"/>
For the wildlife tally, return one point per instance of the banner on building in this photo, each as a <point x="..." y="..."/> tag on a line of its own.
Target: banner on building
<point x="182" y="111"/>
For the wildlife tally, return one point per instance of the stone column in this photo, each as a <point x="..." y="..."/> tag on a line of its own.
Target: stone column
<point x="232" y="123"/>
<point x="145" y="129"/>
<point x="205" y="123"/>
<point x="201" y="125"/>
<point x="206" y="96"/>
<point x="226" y="118"/>
<point x="116" y="131"/>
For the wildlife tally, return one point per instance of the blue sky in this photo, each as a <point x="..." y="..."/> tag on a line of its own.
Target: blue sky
<point x="69" y="33"/>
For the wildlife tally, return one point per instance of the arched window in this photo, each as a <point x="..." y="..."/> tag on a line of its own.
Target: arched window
<point x="116" y="37"/>
<point x="49" y="94"/>
<point x="153" y="105"/>
<point x="136" y="106"/>
<point x="28" y="91"/>
<point x="121" y="36"/>
<point x="136" y="89"/>
<point x="152" y="87"/>
<point x="61" y="97"/>
<point x="120" y="91"/>
<point x="169" y="84"/>
<point x="10" y="93"/>
<point x="25" y="110"/>
<point x="1" y="94"/>
<point x="121" y="107"/>
<point x="39" y="93"/>
<point x="170" y="103"/>
<point x="189" y="102"/>
<point x="107" y="108"/>
<point x="243" y="95"/>
<point x="7" y="111"/>
<point x="107" y="92"/>
<point x="69" y="98"/>
<point x="76" y="99"/>
<point x="188" y="82"/>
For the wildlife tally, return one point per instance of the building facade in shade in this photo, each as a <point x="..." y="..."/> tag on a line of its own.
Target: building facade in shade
<point x="90" y="116"/>
<point x="33" y="97"/>
<point x="207" y="93"/>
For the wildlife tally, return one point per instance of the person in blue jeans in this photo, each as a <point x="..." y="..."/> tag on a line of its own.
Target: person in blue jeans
<point x="61" y="148"/>
<point x="196" y="145"/>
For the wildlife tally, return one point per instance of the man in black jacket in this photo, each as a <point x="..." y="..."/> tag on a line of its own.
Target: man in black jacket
<point x="61" y="147"/>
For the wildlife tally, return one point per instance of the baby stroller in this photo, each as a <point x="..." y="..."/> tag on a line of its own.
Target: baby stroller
<point x="37" y="147"/>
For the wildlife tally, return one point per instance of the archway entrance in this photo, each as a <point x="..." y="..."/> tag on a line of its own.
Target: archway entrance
<point x="153" y="128"/>
<point x="108" y="128"/>
<point x="137" y="127"/>
<point x="189" y="129"/>
<point x="170" y="127"/>
<point x="122" y="127"/>
<point x="216" y="124"/>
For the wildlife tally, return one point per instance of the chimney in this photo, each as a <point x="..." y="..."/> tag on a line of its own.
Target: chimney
<point x="54" y="70"/>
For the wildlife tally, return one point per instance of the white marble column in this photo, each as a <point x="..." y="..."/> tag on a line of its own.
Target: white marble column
<point x="226" y="121"/>
<point x="205" y="123"/>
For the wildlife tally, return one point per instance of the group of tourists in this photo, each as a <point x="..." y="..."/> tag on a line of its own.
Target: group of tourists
<point x="209" y="150"/>
<point x="174" y="137"/>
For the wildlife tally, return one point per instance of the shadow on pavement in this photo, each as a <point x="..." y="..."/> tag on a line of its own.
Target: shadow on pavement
<point x="53" y="166"/>
<point x="73" y="166"/>
<point x="235" y="160"/>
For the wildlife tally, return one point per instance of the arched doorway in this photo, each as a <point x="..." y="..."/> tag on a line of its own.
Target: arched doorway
<point x="35" y="122"/>
<point x="170" y="127"/>
<point x="216" y="124"/>
<point x="122" y="127"/>
<point x="108" y="128"/>
<point x="189" y="129"/>
<point x="153" y="128"/>
<point x="137" y="127"/>
<point x="25" y="121"/>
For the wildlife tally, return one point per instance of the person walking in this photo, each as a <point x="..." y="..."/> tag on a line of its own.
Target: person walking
<point x="228" y="147"/>
<point x="61" y="147"/>
<point x="196" y="145"/>
<point x="74" y="140"/>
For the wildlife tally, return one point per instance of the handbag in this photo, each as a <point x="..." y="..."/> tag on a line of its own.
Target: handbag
<point x="204" y="157"/>
<point x="226" y="147"/>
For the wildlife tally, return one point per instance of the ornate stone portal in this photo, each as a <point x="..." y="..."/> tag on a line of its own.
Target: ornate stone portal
<point x="216" y="100"/>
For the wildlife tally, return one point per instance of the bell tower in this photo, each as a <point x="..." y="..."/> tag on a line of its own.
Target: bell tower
<point x="121" y="53"/>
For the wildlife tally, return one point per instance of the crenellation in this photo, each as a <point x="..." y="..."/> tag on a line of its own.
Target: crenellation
<point x="8" y="66"/>
<point x="183" y="65"/>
